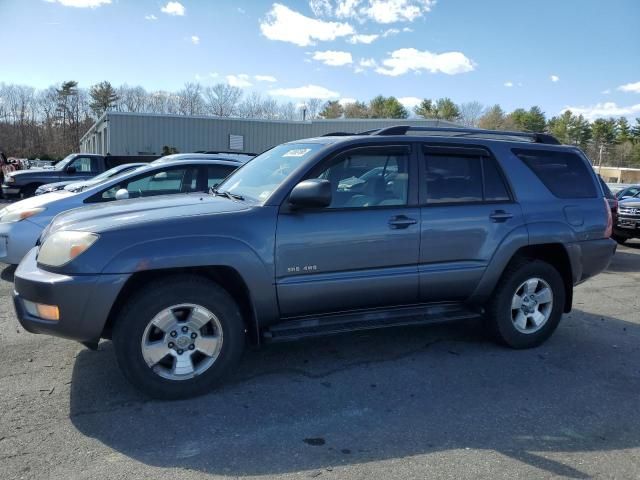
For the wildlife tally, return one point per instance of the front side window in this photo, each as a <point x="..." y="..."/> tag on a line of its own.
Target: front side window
<point x="164" y="182"/>
<point x="371" y="178"/>
<point x="84" y="165"/>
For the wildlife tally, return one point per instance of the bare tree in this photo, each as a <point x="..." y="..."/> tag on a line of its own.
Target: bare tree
<point x="222" y="100"/>
<point x="190" y="100"/>
<point x="470" y="113"/>
<point x="132" y="99"/>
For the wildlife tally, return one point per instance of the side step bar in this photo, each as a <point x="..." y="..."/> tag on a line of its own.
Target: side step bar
<point x="312" y="326"/>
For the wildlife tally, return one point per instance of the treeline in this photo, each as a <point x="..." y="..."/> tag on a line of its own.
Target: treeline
<point x="49" y="123"/>
<point x="611" y="141"/>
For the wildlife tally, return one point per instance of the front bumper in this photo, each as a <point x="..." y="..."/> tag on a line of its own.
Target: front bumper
<point x="629" y="223"/>
<point x="84" y="301"/>
<point x="16" y="239"/>
<point x="9" y="191"/>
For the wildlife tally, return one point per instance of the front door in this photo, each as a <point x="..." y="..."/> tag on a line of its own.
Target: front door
<point x="362" y="250"/>
<point x="467" y="211"/>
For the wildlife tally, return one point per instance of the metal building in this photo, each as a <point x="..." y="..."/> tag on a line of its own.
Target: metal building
<point x="120" y="133"/>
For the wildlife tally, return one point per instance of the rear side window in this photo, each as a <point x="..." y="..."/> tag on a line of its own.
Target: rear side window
<point x="565" y="174"/>
<point x="453" y="178"/>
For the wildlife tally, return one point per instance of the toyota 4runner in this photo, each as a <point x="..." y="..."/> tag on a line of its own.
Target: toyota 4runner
<point x="400" y="226"/>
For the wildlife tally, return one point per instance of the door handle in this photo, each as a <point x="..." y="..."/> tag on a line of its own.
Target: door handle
<point x="500" y="216"/>
<point x="401" y="221"/>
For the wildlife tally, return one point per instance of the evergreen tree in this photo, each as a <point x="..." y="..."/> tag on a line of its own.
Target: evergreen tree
<point x="331" y="109"/>
<point x="356" y="110"/>
<point x="387" y="107"/>
<point x="493" y="119"/>
<point x="103" y="98"/>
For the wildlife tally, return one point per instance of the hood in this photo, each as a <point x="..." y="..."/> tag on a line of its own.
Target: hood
<point x="120" y="213"/>
<point x="629" y="202"/>
<point x="39" y="200"/>
<point x="22" y="173"/>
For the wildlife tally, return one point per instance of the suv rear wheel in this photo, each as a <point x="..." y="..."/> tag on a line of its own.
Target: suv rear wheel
<point x="527" y="304"/>
<point x="176" y="338"/>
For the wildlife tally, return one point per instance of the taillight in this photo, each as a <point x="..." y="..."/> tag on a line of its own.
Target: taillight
<point x="609" y="230"/>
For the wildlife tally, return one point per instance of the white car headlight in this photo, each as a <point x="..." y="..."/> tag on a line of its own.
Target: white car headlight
<point x="64" y="246"/>
<point x="9" y="215"/>
<point x="10" y="179"/>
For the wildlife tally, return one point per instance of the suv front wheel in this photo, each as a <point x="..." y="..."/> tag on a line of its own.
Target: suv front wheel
<point x="527" y="304"/>
<point x="176" y="338"/>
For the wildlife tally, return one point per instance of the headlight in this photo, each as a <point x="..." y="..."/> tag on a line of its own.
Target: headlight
<point x="11" y="216"/>
<point x="64" y="246"/>
<point x="9" y="179"/>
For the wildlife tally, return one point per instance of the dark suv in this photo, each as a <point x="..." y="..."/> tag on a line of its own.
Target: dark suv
<point x="400" y="226"/>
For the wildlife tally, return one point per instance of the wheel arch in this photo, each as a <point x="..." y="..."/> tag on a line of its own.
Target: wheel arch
<point x="225" y="276"/>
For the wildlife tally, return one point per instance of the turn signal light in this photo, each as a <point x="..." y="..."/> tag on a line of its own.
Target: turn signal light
<point x="42" y="310"/>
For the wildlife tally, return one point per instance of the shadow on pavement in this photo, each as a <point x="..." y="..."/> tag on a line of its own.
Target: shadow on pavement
<point x="382" y="395"/>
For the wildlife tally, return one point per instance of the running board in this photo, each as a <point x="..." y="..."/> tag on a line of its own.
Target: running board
<point x="312" y="326"/>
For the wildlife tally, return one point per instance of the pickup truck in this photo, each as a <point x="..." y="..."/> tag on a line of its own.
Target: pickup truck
<point x="76" y="167"/>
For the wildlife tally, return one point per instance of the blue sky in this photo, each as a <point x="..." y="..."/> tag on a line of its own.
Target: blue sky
<point x="493" y="51"/>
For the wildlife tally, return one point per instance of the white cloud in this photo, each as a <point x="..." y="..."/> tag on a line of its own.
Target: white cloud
<point x="405" y="60"/>
<point x="241" y="80"/>
<point x="508" y="84"/>
<point x="241" y="10"/>
<point x="195" y="39"/>
<point x="554" y="78"/>
<point x="391" y="11"/>
<point x="604" y="110"/>
<point x="173" y="8"/>
<point x="321" y="8"/>
<point x="410" y="102"/>
<point x="606" y="92"/>
<point x="333" y="58"/>
<point x="308" y="91"/>
<point x="347" y="8"/>
<point x="390" y="31"/>
<point x="368" y="62"/>
<point x="346" y="100"/>
<point x="265" y="78"/>
<point x="362" y="38"/>
<point x="407" y="29"/>
<point x="81" y="3"/>
<point x="282" y="23"/>
<point x="150" y="17"/>
<point x="630" y="87"/>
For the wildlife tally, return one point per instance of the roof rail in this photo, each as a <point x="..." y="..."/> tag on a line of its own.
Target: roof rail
<point x="216" y="152"/>
<point x="338" y="134"/>
<point x="532" y="137"/>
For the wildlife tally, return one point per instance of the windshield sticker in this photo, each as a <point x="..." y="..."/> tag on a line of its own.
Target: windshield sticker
<point x="297" y="152"/>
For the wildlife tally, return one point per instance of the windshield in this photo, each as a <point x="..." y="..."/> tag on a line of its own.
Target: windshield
<point x="64" y="162"/>
<point x="262" y="175"/>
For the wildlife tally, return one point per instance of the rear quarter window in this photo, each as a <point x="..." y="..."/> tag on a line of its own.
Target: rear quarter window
<point x="565" y="174"/>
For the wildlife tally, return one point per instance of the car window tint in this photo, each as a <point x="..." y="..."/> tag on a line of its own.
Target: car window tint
<point x="84" y="165"/>
<point x="495" y="189"/>
<point x="217" y="173"/>
<point x="453" y="179"/>
<point x="565" y="174"/>
<point x="180" y="180"/>
<point x="368" y="179"/>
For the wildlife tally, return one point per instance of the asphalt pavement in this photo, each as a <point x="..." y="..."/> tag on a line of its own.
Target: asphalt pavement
<point x="407" y="403"/>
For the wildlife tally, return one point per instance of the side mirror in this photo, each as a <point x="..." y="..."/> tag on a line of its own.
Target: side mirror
<point x="70" y="169"/>
<point x="313" y="193"/>
<point x="122" y="194"/>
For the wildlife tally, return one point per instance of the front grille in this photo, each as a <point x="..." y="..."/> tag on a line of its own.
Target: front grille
<point x="629" y="211"/>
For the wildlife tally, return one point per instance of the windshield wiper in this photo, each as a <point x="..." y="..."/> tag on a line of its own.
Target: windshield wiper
<point x="227" y="194"/>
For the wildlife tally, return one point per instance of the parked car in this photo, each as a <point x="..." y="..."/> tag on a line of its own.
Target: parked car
<point x="472" y="224"/>
<point x="628" y="191"/>
<point x="628" y="222"/>
<point x="72" y="185"/>
<point x="21" y="223"/>
<point x="611" y="200"/>
<point x="75" y="167"/>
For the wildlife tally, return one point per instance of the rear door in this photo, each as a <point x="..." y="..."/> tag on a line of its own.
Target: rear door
<point x="362" y="250"/>
<point x="467" y="209"/>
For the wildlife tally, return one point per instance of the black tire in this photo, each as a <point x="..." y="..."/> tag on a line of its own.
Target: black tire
<point x="621" y="239"/>
<point x="499" y="312"/>
<point x="29" y="191"/>
<point x="146" y="304"/>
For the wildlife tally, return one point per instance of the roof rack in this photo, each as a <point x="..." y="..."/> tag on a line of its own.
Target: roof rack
<point x="338" y="134"/>
<point x="532" y="137"/>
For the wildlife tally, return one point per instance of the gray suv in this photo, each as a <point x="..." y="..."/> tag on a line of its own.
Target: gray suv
<point x="401" y="226"/>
